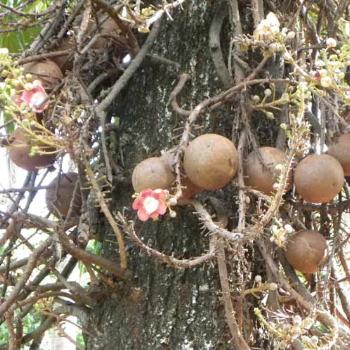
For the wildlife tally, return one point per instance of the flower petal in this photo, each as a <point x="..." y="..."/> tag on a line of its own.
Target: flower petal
<point x="162" y="208"/>
<point x="146" y="193"/>
<point x="137" y="203"/>
<point x="154" y="215"/>
<point x="142" y="215"/>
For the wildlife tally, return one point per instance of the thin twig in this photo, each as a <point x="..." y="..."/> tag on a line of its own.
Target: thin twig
<point x="166" y="259"/>
<point x="108" y="215"/>
<point x="237" y="338"/>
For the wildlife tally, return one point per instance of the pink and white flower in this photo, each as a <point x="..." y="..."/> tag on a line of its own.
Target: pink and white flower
<point x="35" y="97"/>
<point x="150" y="204"/>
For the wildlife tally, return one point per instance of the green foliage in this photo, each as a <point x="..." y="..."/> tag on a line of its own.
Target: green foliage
<point x="80" y="341"/>
<point x="18" y="40"/>
<point x="94" y="247"/>
<point x="31" y="321"/>
<point x="4" y="335"/>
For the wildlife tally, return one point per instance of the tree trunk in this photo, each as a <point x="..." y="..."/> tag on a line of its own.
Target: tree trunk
<point x="165" y="308"/>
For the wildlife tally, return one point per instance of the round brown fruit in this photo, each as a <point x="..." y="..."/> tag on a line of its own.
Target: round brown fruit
<point x="65" y="61"/>
<point x="46" y="71"/>
<point x="340" y="151"/>
<point x="152" y="173"/>
<point x="20" y="149"/>
<point x="108" y="27"/>
<point x="211" y="161"/>
<point x="318" y="178"/>
<point x="60" y="193"/>
<point x="306" y="250"/>
<point x="189" y="189"/>
<point x="260" y="171"/>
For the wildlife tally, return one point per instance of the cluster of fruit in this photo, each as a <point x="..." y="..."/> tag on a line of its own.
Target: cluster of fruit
<point x="211" y="161"/>
<point x="27" y="147"/>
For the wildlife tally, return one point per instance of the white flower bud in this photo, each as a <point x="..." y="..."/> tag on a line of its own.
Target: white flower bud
<point x="314" y="340"/>
<point x="288" y="228"/>
<point x="297" y="320"/>
<point x="4" y="51"/>
<point x="256" y="98"/>
<point x="326" y="82"/>
<point x="267" y="92"/>
<point x="276" y="186"/>
<point x="258" y="279"/>
<point x="279" y="166"/>
<point x="273" y="21"/>
<point x="331" y="42"/>
<point x="291" y="35"/>
<point x="273" y="286"/>
<point x="270" y="115"/>
<point x="172" y="201"/>
<point x="275" y="47"/>
<point x="283" y="126"/>
<point x="287" y="56"/>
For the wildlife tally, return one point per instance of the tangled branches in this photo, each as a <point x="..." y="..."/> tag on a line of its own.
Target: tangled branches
<point x="292" y="84"/>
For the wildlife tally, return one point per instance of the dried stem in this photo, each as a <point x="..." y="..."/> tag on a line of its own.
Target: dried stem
<point x="237" y="338"/>
<point x="169" y="260"/>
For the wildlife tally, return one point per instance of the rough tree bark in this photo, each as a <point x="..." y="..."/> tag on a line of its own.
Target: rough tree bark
<point x="164" y="308"/>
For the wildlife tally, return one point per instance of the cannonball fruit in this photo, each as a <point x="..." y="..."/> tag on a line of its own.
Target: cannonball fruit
<point x="189" y="189"/>
<point x="46" y="71"/>
<point x="65" y="61"/>
<point x="60" y="193"/>
<point x="341" y="151"/>
<point x="152" y="173"/>
<point x="306" y="250"/>
<point x="318" y="178"/>
<point x="260" y="169"/>
<point x="108" y="27"/>
<point x="20" y="152"/>
<point x="211" y="161"/>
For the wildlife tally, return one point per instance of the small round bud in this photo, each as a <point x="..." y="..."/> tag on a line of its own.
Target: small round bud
<point x="287" y="56"/>
<point x="172" y="201"/>
<point x="172" y="214"/>
<point x="314" y="340"/>
<point x="256" y="98"/>
<point x="267" y="92"/>
<point x="288" y="228"/>
<point x="283" y="126"/>
<point x="331" y="42"/>
<point x="297" y="320"/>
<point x="276" y="186"/>
<point x="273" y="286"/>
<point x="4" y="51"/>
<point x="291" y="35"/>
<point x="258" y="279"/>
<point x="270" y="115"/>
<point x="28" y="86"/>
<point x="279" y="166"/>
<point x="326" y="82"/>
<point x="275" y="47"/>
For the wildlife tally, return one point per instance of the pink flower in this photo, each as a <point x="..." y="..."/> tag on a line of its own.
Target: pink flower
<point x="35" y="97"/>
<point x="150" y="204"/>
